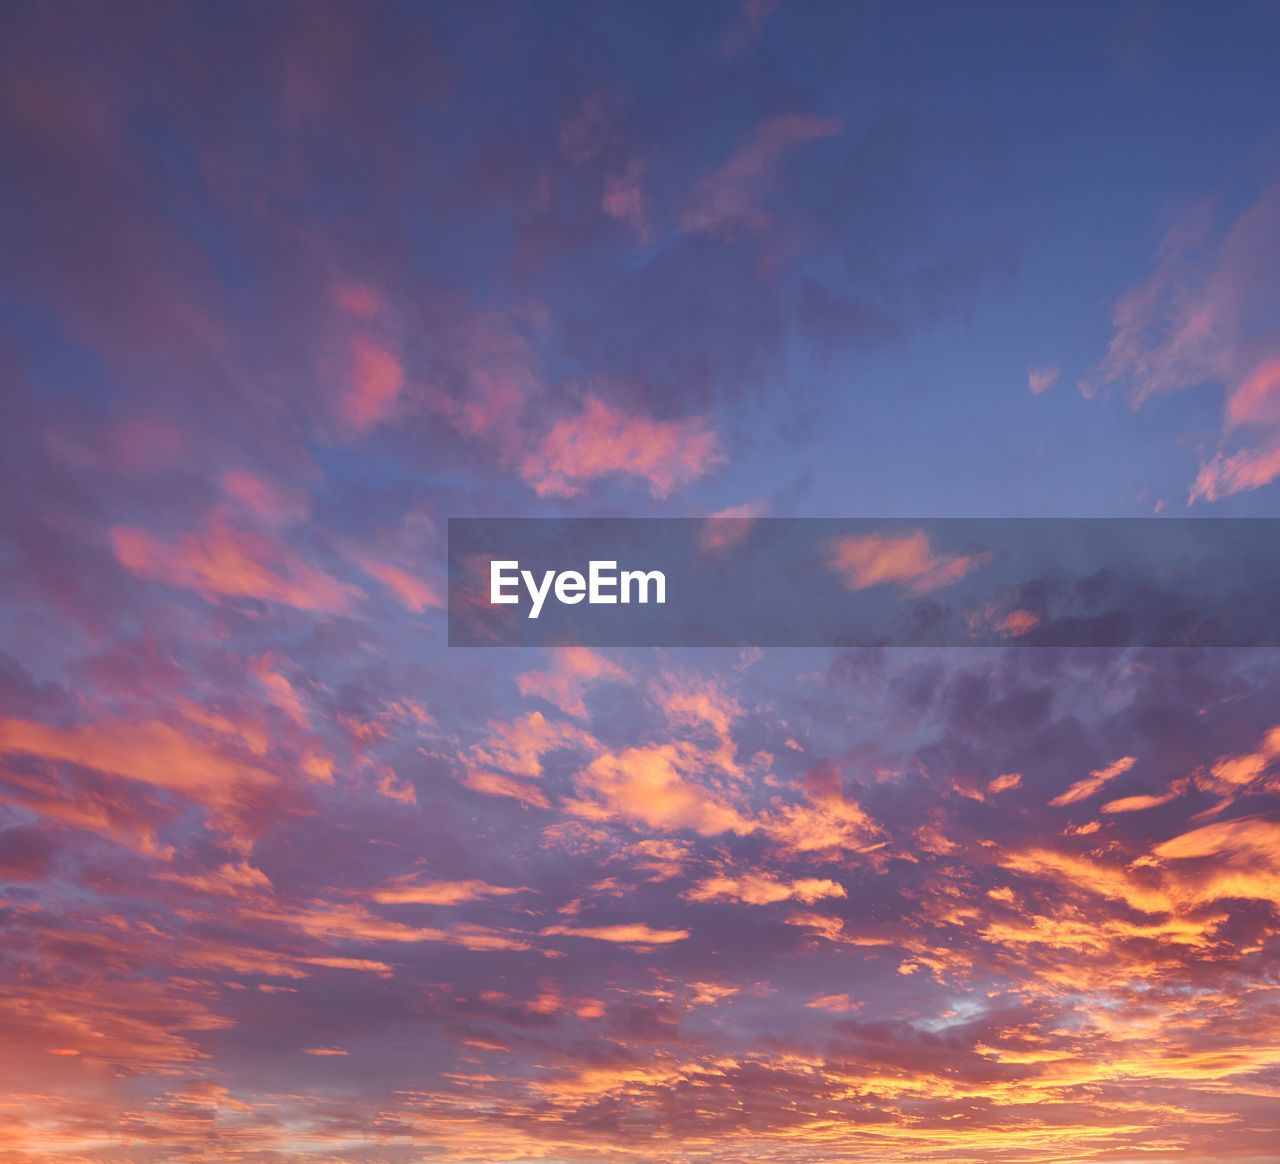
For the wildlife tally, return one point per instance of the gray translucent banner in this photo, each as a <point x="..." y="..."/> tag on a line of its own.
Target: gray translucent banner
<point x="803" y="582"/>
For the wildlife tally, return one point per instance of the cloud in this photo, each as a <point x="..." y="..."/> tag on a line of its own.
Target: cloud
<point x="518" y="746"/>
<point x="1017" y="623"/>
<point x="280" y="691"/>
<point x="1239" y="472"/>
<point x="375" y="383"/>
<point x="573" y="672"/>
<point x="1138" y="803"/>
<point x="601" y="442"/>
<point x="416" y="594"/>
<point x="906" y="559"/>
<point x="1083" y="789"/>
<point x="631" y="933"/>
<point x="1257" y="399"/>
<point x="1205" y="316"/>
<point x="760" y="889"/>
<point x="268" y="503"/>
<point x="408" y="890"/>
<point x="495" y="784"/>
<point x="827" y="821"/>
<point x="1040" y="380"/>
<point x="227" y="562"/>
<point x="726" y="528"/>
<point x="657" y="786"/>
<point x="839" y="1003"/>
<point x="626" y="199"/>
<point x="152" y="753"/>
<point x="729" y="198"/>
<point x="352" y="922"/>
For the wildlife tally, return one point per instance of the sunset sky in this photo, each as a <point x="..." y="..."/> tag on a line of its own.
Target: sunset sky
<point x="284" y="879"/>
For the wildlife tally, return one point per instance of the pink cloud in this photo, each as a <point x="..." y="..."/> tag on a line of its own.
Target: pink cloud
<point x="1205" y="316"/>
<point x="1255" y="402"/>
<point x="414" y="592"/>
<point x="225" y="562"/>
<point x="601" y="442"/>
<point x="1042" y="379"/>
<point x="359" y="299"/>
<point x="376" y="380"/>
<point x="625" y="198"/>
<point x="729" y="198"/>
<point x="266" y="502"/>
<point x="1238" y="473"/>
<point x="1018" y="622"/>
<point x="727" y="527"/>
<point x="899" y="559"/>
<point x="1257" y="399"/>
<point x="564" y="684"/>
<point x="1177" y="328"/>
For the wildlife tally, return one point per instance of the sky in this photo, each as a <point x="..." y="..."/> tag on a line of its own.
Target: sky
<point x="286" y="286"/>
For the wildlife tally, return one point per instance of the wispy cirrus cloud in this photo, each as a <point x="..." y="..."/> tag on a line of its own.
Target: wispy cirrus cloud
<point x="1205" y="315"/>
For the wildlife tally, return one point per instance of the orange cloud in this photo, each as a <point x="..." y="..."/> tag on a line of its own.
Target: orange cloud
<point x="1083" y="789"/>
<point x="600" y="442"/>
<point x="840" y="1003"/>
<point x="1005" y="782"/>
<point x="564" y="684"/>
<point x="657" y="786"/>
<point x="343" y="922"/>
<point x="1250" y="836"/>
<point x="1244" y="774"/>
<point x="759" y="889"/>
<point x="632" y="933"/>
<point x="405" y="891"/>
<point x="518" y="747"/>
<point x="228" y="562"/>
<point x="826" y="821"/>
<point x="1018" y="623"/>
<point x="149" y="752"/>
<point x="230" y="880"/>
<point x="1138" y="803"/>
<point x="899" y="559"/>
